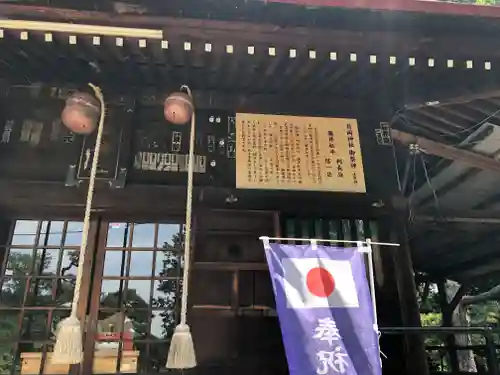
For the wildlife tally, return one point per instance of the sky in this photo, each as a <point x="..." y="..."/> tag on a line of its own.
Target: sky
<point x="140" y="264"/>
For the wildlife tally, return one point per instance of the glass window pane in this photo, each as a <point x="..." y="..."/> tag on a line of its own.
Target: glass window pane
<point x="8" y="346"/>
<point x="12" y="292"/>
<point x="157" y="360"/>
<point x="162" y="324"/>
<point x="169" y="235"/>
<point x="46" y="262"/>
<point x="141" y="263"/>
<point x="40" y="293"/>
<point x="144" y="235"/>
<point x="9" y="321"/>
<point x="63" y="292"/>
<point x="35" y="327"/>
<point x="111" y="293"/>
<point x="115" y="263"/>
<point x="74" y="233"/>
<point x="19" y="262"/>
<point x="69" y="264"/>
<point x="55" y="233"/>
<point x="118" y="235"/>
<point x="165" y="294"/>
<point x="25" y="232"/>
<point x="167" y="264"/>
<point x="138" y="294"/>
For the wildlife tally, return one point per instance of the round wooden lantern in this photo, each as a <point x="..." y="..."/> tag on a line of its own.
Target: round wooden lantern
<point x="81" y="113"/>
<point x="178" y="108"/>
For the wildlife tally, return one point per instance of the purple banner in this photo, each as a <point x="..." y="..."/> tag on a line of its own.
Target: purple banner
<point x="324" y="307"/>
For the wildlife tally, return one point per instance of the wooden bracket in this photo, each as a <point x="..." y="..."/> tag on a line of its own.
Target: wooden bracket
<point x="448" y="152"/>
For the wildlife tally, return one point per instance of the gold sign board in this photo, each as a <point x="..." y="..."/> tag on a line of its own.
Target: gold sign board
<point x="298" y="153"/>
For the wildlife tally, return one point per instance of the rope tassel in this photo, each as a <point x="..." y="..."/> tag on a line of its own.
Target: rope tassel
<point x="68" y="348"/>
<point x="181" y="354"/>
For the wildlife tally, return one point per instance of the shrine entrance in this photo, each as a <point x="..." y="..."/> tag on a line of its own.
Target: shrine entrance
<point x="131" y="293"/>
<point x="131" y="290"/>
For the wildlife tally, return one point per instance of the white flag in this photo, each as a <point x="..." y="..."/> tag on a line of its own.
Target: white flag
<point x="319" y="283"/>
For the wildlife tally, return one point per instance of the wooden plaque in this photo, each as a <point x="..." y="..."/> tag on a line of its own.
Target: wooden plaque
<point x="298" y="153"/>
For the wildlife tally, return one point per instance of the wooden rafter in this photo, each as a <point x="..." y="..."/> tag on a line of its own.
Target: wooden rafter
<point x="460" y="216"/>
<point x="447" y="152"/>
<point x="462" y="99"/>
<point x="245" y="32"/>
<point x="432" y="7"/>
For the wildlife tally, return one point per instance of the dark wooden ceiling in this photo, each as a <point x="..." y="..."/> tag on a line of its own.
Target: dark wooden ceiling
<point x="240" y="58"/>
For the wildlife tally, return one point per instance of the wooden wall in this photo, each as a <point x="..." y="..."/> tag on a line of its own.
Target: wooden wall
<point x="140" y="147"/>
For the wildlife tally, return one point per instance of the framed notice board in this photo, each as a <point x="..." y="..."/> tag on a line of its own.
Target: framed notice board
<point x="298" y="153"/>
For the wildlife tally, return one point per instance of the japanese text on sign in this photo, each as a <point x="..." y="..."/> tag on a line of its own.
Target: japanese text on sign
<point x="332" y="358"/>
<point x="298" y="153"/>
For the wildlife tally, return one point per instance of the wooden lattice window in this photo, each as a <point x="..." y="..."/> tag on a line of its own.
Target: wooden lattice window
<point x="139" y="293"/>
<point x="38" y="270"/>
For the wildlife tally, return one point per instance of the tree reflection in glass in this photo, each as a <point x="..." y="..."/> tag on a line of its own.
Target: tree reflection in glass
<point x="37" y="282"/>
<point x="141" y="282"/>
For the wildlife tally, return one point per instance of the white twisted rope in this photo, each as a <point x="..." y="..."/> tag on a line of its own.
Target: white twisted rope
<point x="189" y="208"/>
<point x="88" y="205"/>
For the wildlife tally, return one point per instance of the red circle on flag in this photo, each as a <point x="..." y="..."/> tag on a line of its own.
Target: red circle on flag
<point x="320" y="282"/>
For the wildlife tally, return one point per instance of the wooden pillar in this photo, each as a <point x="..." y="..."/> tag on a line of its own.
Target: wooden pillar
<point x="397" y="300"/>
<point x="6" y="227"/>
<point x="447" y="313"/>
<point x="407" y="292"/>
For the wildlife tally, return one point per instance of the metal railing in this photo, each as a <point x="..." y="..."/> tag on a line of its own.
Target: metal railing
<point x="486" y="351"/>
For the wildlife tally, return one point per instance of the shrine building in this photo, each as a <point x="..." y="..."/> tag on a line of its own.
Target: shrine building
<point x="323" y="120"/>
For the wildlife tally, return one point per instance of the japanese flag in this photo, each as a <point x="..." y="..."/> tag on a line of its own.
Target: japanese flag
<point x="319" y="283"/>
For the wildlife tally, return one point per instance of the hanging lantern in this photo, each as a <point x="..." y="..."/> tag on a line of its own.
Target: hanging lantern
<point x="81" y="113"/>
<point x="178" y="108"/>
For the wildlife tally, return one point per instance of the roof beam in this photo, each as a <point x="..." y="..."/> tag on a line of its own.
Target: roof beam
<point x="459" y="216"/>
<point x="462" y="99"/>
<point x="448" y="152"/>
<point x="434" y="7"/>
<point x="248" y="32"/>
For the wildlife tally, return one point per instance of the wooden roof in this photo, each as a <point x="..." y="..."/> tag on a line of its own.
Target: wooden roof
<point x="242" y="58"/>
<point x="454" y="214"/>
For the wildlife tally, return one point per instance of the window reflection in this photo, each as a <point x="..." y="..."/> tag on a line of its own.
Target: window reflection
<point x="170" y="235"/>
<point x="141" y="263"/>
<point x="145" y="295"/>
<point x="25" y="232"/>
<point x="37" y="282"/>
<point x="168" y="264"/>
<point x="115" y="263"/>
<point x="73" y="233"/>
<point x="51" y="233"/>
<point x="118" y="235"/>
<point x="8" y="336"/>
<point x="138" y="294"/>
<point x="19" y="262"/>
<point x="144" y="235"/>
